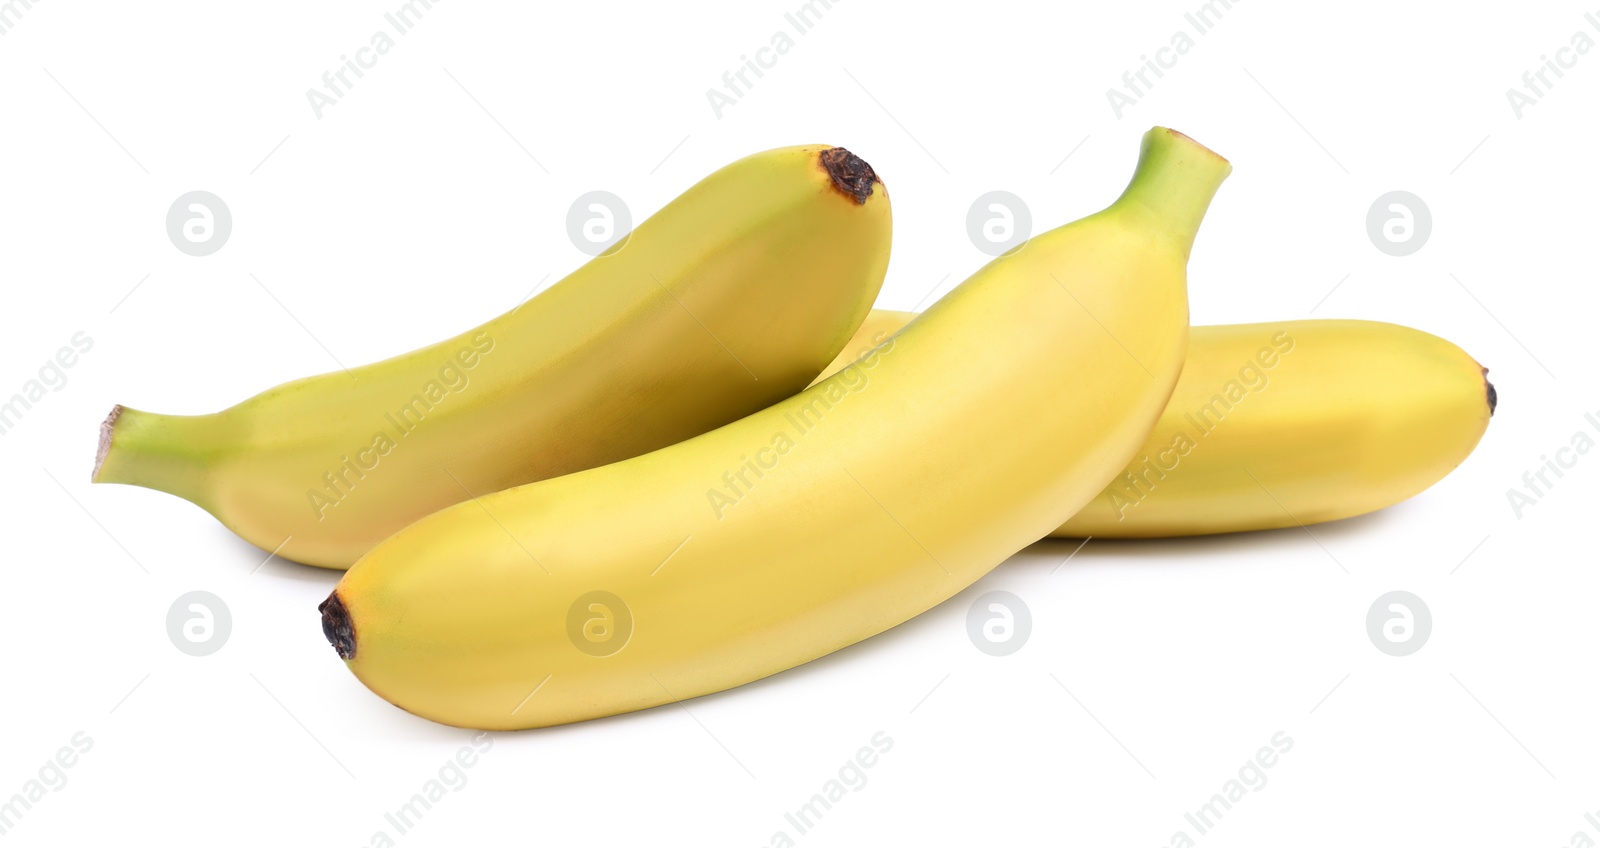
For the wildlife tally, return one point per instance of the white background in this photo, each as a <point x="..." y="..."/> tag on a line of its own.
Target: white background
<point x="434" y="196"/>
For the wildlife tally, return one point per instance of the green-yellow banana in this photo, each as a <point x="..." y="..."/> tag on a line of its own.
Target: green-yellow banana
<point x="731" y="297"/>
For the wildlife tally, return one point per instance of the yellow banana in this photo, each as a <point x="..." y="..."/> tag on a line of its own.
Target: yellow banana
<point x="1293" y="423"/>
<point x="820" y="521"/>
<point x="1282" y="424"/>
<point x="728" y="299"/>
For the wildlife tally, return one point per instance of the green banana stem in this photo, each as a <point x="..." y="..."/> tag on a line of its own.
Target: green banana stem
<point x="170" y="453"/>
<point x="1173" y="184"/>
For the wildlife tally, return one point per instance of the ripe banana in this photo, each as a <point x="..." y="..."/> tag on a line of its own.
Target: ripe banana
<point x="727" y="300"/>
<point x="1282" y="425"/>
<point x="831" y="516"/>
<point x="1294" y="423"/>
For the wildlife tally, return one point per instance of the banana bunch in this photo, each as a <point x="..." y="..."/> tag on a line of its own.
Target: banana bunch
<point x="637" y="489"/>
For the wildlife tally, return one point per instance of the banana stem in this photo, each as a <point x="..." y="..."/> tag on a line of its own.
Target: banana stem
<point x="168" y="453"/>
<point x="1173" y="183"/>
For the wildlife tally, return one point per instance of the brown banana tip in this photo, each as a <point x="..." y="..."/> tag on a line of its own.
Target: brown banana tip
<point x="1488" y="388"/>
<point x="850" y="173"/>
<point x="100" y="452"/>
<point x="337" y="627"/>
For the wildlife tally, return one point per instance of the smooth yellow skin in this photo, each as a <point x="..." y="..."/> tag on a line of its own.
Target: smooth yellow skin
<point x="1280" y="425"/>
<point x="730" y="298"/>
<point x="864" y="500"/>
<point x="1351" y="417"/>
<point x="878" y="326"/>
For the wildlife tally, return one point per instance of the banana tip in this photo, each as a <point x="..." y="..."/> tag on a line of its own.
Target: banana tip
<point x="337" y="627"/>
<point x="106" y="428"/>
<point x="850" y="173"/>
<point x="1490" y="393"/>
<point x="1184" y="137"/>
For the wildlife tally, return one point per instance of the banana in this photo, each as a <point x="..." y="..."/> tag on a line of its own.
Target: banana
<point x="813" y="524"/>
<point x="1282" y="425"/>
<point x="728" y="299"/>
<point x="1294" y="423"/>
